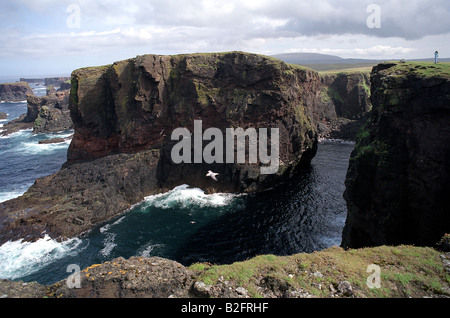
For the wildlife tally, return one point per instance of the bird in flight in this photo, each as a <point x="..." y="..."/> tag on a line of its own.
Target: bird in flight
<point x="212" y="175"/>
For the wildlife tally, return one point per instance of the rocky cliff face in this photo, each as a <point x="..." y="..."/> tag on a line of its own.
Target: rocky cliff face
<point x="56" y="81"/>
<point x="398" y="182"/>
<point x="13" y="92"/>
<point x="264" y="276"/>
<point x="124" y="115"/>
<point x="343" y="104"/>
<point x="136" y="104"/>
<point x="48" y="113"/>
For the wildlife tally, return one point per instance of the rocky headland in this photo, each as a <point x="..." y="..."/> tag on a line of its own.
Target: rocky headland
<point x="398" y="182"/>
<point x="14" y="92"/>
<point x="407" y="271"/>
<point x="49" y="113"/>
<point x="56" y="81"/>
<point x="124" y="113"/>
<point x="48" y="81"/>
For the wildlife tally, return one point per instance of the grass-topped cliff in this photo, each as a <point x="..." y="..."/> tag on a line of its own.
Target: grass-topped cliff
<point x="398" y="182"/>
<point x="13" y="92"/>
<point x="421" y="69"/>
<point x="405" y="271"/>
<point x="124" y="115"/>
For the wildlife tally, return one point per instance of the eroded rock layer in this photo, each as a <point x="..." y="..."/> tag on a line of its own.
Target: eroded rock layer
<point x="124" y="115"/>
<point x="398" y="182"/>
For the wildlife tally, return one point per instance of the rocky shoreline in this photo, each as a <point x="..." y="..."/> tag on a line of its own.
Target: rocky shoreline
<point x="120" y="153"/>
<point x="121" y="149"/>
<point x="407" y="271"/>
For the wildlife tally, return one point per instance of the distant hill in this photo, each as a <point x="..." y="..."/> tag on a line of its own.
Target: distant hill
<point x="325" y="62"/>
<point x="316" y="58"/>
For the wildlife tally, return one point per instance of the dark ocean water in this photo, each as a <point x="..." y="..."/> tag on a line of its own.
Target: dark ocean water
<point x="184" y="224"/>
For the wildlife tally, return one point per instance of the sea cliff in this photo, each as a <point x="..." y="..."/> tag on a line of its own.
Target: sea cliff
<point x="398" y="181"/>
<point x="14" y="92"/>
<point x="124" y="114"/>
<point x="343" y="104"/>
<point x="49" y="113"/>
<point x="109" y="168"/>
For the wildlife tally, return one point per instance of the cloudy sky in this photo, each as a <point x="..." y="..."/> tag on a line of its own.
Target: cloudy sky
<point x="54" y="37"/>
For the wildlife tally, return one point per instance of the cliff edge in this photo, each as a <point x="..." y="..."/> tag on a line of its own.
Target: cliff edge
<point x="14" y="92"/>
<point x="398" y="181"/>
<point x="124" y="114"/>
<point x="404" y="271"/>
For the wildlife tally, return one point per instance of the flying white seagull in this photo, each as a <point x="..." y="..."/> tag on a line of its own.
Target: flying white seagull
<point x="212" y="175"/>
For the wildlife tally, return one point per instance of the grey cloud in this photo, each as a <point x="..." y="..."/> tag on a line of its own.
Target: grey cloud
<point x="408" y="19"/>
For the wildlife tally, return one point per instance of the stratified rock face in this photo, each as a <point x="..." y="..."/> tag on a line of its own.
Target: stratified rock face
<point x="51" y="113"/>
<point x="124" y="115"/>
<point x="342" y="104"/>
<point x="56" y="81"/>
<point x="136" y="104"/>
<point x="398" y="182"/>
<point x="344" y="95"/>
<point x="13" y="92"/>
<point x="48" y="113"/>
<point x="135" y="277"/>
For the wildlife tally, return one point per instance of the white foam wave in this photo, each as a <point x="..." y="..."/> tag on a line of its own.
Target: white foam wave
<point x="108" y="244"/>
<point x="107" y="227"/>
<point x="62" y="134"/>
<point x="15" y="102"/>
<point x="183" y="196"/>
<point x="20" y="258"/>
<point x="146" y="250"/>
<point x="19" y="133"/>
<point x="335" y="140"/>
<point x="5" y="196"/>
<point x="34" y="148"/>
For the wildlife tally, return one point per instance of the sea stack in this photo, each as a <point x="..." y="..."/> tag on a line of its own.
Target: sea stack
<point x="124" y="114"/>
<point x="398" y="181"/>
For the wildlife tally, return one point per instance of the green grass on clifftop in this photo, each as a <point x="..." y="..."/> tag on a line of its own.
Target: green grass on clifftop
<point x="406" y="271"/>
<point x="424" y="69"/>
<point x="350" y="70"/>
